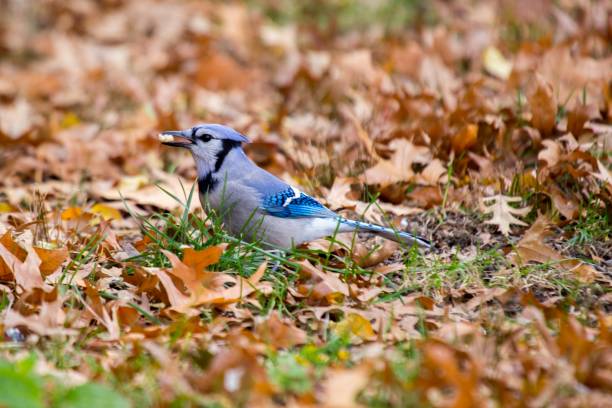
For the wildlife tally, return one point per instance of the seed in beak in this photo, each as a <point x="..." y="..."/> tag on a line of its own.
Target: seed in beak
<point x="165" y="138"/>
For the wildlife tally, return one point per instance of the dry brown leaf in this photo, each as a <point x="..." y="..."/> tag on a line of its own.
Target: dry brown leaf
<point x="322" y="286"/>
<point x="432" y="173"/>
<point x="532" y="248"/>
<point x="17" y="119"/>
<point x="7" y="241"/>
<point x="567" y="206"/>
<point x="342" y="386"/>
<point x="503" y="213"/>
<point x="604" y="174"/>
<point x="51" y="259"/>
<point x="338" y="198"/>
<point x="551" y="152"/>
<point x="579" y="116"/>
<point x="465" y="138"/>
<point x="49" y="321"/>
<point x="399" y="167"/>
<point x="178" y="300"/>
<point x="147" y="194"/>
<point x="242" y="288"/>
<point x="543" y="105"/>
<point x="99" y="311"/>
<point x="362" y="135"/>
<point x="444" y="366"/>
<point x="219" y="71"/>
<point x="280" y="333"/>
<point x="426" y="196"/>
<point x="201" y="259"/>
<point x="27" y="273"/>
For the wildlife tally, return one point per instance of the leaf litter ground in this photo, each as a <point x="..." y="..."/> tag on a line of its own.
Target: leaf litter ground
<point x="485" y="129"/>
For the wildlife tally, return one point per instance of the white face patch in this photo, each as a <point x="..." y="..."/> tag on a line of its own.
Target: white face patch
<point x="207" y="151"/>
<point x="205" y="155"/>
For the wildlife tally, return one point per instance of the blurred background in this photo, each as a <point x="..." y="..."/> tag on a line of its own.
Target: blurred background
<point x="323" y="88"/>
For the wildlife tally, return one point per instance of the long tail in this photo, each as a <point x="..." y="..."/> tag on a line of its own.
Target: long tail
<point x="388" y="233"/>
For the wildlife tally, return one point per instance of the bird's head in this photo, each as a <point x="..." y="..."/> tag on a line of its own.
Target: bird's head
<point x="208" y="143"/>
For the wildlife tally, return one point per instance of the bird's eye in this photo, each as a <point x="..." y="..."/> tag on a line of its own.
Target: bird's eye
<point x="205" y="137"/>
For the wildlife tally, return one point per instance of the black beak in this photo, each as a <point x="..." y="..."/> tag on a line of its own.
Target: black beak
<point x="181" y="134"/>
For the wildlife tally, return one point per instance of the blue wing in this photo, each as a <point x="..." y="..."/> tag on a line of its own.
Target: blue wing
<point x="292" y="203"/>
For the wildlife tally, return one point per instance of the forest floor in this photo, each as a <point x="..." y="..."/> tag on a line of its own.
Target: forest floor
<point x="484" y="128"/>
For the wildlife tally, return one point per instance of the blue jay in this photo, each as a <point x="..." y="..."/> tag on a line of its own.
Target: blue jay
<point x="255" y="204"/>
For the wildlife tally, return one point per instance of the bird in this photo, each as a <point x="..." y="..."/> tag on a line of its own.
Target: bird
<point x="255" y="205"/>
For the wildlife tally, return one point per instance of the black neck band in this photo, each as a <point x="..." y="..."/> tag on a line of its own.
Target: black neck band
<point x="208" y="182"/>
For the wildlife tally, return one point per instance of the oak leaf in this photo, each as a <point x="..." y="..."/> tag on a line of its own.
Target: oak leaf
<point x="503" y="213"/>
<point x="399" y="167"/>
<point x="27" y="273"/>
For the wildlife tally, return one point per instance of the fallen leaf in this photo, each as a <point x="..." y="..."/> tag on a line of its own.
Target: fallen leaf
<point x="532" y="248"/>
<point x="50" y="320"/>
<point x="242" y="289"/>
<point x="342" y="386"/>
<point x="495" y="63"/>
<point x="399" y="167"/>
<point x="426" y="196"/>
<point x="107" y="213"/>
<point x="72" y="213"/>
<point x="543" y="105"/>
<point x="11" y="246"/>
<point x="604" y="174"/>
<point x="192" y="278"/>
<point x="203" y="258"/>
<point x="17" y="120"/>
<point x="338" y="198"/>
<point x="579" y="116"/>
<point x="6" y="207"/>
<point x="432" y="173"/>
<point x="50" y="259"/>
<point x="567" y="206"/>
<point x="551" y="152"/>
<point x="26" y="273"/>
<point x="503" y="213"/>
<point x="322" y="286"/>
<point x="279" y="332"/>
<point x="356" y="325"/>
<point x="465" y="138"/>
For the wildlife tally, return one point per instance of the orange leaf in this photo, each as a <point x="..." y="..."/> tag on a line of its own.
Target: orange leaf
<point x="26" y="273"/>
<point x="242" y="289"/>
<point x="198" y="260"/>
<point x="280" y="333"/>
<point x="465" y="138"/>
<point x="71" y="213"/>
<point x="50" y="259"/>
<point x="13" y="248"/>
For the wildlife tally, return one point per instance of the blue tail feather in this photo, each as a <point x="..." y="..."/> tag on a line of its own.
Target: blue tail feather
<point x="388" y="233"/>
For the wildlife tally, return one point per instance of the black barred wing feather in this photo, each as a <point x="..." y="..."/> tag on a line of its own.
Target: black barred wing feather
<point x="292" y="203"/>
